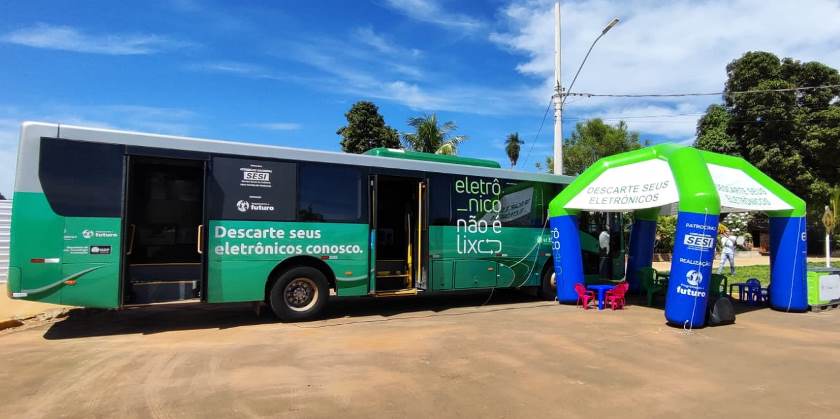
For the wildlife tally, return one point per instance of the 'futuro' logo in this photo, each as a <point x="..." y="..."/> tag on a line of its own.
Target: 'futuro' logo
<point x="694" y="277"/>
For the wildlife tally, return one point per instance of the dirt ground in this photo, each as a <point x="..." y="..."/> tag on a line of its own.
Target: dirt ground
<point x="409" y="357"/>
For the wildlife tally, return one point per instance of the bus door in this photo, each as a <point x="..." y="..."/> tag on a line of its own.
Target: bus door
<point x="398" y="235"/>
<point x="164" y="227"/>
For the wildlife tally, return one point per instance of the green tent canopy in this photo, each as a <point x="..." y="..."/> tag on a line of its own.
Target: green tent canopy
<point x="704" y="184"/>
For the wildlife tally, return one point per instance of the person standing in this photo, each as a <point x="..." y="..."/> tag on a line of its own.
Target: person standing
<point x="605" y="264"/>
<point x="727" y="253"/>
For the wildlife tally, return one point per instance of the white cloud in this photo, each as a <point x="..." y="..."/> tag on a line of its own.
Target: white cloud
<point x="363" y="81"/>
<point x="276" y="126"/>
<point x="661" y="47"/>
<point x="70" y="39"/>
<point x="430" y="11"/>
<point x="379" y="42"/>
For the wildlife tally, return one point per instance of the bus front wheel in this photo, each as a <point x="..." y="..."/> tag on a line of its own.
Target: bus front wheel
<point x="299" y="294"/>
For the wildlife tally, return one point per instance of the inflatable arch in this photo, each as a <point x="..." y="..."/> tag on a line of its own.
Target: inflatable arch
<point x="704" y="184"/>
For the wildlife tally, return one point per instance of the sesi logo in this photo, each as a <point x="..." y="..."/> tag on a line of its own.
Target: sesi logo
<point x="697" y="240"/>
<point x="261" y="176"/>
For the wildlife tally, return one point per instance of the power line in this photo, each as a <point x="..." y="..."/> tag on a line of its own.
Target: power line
<point x="619" y="117"/>
<point x="731" y="121"/>
<point x="547" y="108"/>
<point x="745" y="92"/>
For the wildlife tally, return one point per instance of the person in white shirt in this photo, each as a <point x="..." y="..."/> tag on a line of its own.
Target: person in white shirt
<point x="604" y="245"/>
<point x="728" y="253"/>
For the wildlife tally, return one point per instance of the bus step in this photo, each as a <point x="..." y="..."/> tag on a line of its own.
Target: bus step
<point x="158" y="292"/>
<point x="396" y="293"/>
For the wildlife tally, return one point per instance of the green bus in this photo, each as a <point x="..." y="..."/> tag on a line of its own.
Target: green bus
<point x="108" y="219"/>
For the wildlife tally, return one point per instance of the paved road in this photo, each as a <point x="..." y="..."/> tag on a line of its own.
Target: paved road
<point x="514" y="357"/>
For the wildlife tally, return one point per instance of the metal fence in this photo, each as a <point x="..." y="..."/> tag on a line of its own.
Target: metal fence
<point x="5" y="230"/>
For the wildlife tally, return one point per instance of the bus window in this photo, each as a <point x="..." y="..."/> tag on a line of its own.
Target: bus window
<point x="440" y="200"/>
<point x="329" y="193"/>
<point x="82" y="179"/>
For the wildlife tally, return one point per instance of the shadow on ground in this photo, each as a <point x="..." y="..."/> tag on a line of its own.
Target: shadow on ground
<point x="81" y="323"/>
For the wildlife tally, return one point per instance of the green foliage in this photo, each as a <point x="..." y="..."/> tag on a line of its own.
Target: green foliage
<point x="791" y="136"/>
<point x="737" y="223"/>
<point x="431" y="137"/>
<point x="549" y="165"/>
<point x="831" y="217"/>
<point x="366" y="129"/>
<point x="666" y="230"/>
<point x="711" y="131"/>
<point x="590" y="141"/>
<point x="512" y="147"/>
<point x="834" y="205"/>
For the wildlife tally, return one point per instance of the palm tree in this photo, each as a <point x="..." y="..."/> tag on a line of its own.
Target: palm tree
<point x="512" y="146"/>
<point x="429" y="137"/>
<point x="831" y="220"/>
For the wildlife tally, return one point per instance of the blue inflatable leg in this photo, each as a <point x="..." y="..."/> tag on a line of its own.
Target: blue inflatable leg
<point x="788" y="252"/>
<point x="691" y="269"/>
<point x="568" y="262"/>
<point x="642" y="239"/>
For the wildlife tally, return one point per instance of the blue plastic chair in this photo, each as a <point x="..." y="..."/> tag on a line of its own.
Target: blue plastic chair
<point x="755" y="294"/>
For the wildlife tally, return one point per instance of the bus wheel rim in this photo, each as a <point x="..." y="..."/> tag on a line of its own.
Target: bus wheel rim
<point x="301" y="294"/>
<point x="553" y="281"/>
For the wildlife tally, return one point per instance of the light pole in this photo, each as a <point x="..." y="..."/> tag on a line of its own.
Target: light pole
<point x="559" y="96"/>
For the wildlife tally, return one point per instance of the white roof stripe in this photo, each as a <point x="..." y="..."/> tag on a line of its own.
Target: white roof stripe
<point x="31" y="133"/>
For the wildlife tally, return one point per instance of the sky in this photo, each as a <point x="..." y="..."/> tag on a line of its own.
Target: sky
<point x="284" y="73"/>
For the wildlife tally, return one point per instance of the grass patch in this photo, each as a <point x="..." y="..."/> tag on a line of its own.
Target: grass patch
<point x="760" y="272"/>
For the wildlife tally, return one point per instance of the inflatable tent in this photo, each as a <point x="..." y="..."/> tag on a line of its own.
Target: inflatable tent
<point x="705" y="185"/>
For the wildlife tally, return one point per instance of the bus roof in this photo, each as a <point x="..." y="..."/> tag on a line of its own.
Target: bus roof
<point x="32" y="132"/>
<point x="440" y="158"/>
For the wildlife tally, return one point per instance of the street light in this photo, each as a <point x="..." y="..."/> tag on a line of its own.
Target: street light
<point x="559" y="95"/>
<point x="603" y="32"/>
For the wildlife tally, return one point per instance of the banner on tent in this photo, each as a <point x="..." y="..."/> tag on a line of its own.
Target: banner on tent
<point x="647" y="184"/>
<point x="739" y="191"/>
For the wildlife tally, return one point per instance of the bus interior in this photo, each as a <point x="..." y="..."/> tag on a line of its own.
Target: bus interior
<point x="164" y="212"/>
<point x="397" y="221"/>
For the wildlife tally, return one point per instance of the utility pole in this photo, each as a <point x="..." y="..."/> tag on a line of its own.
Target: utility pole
<point x="558" y="96"/>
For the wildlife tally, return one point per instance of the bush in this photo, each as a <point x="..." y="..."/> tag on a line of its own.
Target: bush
<point x="737" y="223"/>
<point x="666" y="228"/>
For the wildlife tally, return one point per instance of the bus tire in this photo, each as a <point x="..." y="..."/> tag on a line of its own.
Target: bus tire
<point x="548" y="284"/>
<point x="299" y="293"/>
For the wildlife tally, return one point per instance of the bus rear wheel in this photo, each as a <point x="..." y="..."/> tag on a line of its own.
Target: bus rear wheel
<point x="548" y="284"/>
<point x="299" y="294"/>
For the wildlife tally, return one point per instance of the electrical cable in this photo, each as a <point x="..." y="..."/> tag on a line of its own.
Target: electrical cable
<point x="547" y="108"/>
<point x="533" y="264"/>
<point x="743" y="92"/>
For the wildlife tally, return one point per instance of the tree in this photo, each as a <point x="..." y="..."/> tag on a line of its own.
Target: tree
<point x="431" y="137"/>
<point x="711" y="131"/>
<point x="792" y="136"/>
<point x="366" y="129"/>
<point x="512" y="146"/>
<point x="831" y="220"/>
<point x="592" y="140"/>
